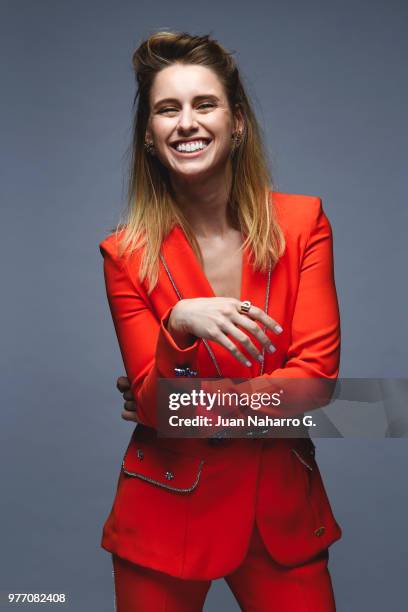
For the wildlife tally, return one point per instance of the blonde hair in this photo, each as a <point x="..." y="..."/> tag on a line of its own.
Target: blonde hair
<point x="152" y="210"/>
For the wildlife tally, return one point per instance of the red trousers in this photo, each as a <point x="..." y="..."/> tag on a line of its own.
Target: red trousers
<point x="259" y="584"/>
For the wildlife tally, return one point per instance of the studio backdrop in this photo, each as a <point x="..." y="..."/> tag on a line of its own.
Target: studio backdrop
<point x="329" y="86"/>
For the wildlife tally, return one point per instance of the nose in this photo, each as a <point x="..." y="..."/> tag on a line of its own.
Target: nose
<point x="187" y="120"/>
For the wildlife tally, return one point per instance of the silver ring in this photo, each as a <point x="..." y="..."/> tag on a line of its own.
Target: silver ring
<point x="245" y="306"/>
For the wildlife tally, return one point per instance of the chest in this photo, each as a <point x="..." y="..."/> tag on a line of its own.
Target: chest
<point x="223" y="265"/>
<point x="226" y="273"/>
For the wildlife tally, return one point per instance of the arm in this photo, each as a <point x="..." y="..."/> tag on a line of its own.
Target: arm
<point x="314" y="350"/>
<point x="148" y="350"/>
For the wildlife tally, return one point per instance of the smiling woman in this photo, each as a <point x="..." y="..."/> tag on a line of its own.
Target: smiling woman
<point x="214" y="273"/>
<point x="189" y="88"/>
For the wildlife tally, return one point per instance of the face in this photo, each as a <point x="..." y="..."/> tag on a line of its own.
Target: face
<point x="190" y="121"/>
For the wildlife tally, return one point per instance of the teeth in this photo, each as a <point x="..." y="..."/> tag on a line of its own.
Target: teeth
<point x="192" y="146"/>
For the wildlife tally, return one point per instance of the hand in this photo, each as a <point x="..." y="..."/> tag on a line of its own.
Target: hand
<point x="129" y="411"/>
<point x="215" y="319"/>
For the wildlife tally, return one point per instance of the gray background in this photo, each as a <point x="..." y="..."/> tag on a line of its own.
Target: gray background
<point x="329" y="84"/>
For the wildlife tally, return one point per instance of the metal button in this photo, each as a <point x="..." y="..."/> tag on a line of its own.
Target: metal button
<point x="185" y="371"/>
<point x="180" y="371"/>
<point x="169" y="475"/>
<point x="319" y="531"/>
<point x="140" y="454"/>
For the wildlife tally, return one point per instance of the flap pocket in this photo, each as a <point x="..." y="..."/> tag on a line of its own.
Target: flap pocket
<point x="162" y="467"/>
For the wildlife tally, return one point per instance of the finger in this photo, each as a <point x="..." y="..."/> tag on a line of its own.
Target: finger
<point x="224" y="341"/>
<point x="129" y="416"/>
<point x="260" y="315"/>
<point x="231" y="329"/>
<point x="253" y="328"/>
<point x="128" y="395"/>
<point x="130" y="406"/>
<point x="123" y="383"/>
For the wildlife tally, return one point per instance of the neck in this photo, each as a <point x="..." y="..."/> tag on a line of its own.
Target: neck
<point x="204" y="202"/>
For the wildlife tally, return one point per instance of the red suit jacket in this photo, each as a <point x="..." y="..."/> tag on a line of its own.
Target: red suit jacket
<point x="186" y="506"/>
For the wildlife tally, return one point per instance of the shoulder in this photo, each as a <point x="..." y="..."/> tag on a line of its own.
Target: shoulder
<point x="117" y="260"/>
<point x="298" y="214"/>
<point x="110" y="244"/>
<point x="111" y="248"/>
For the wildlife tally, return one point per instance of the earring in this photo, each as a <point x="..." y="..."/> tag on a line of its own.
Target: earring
<point x="236" y="139"/>
<point x="149" y="147"/>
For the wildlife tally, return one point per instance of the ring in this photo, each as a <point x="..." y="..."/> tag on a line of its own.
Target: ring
<point x="245" y="306"/>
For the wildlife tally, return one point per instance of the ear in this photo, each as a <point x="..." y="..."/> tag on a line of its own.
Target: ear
<point x="148" y="134"/>
<point x="239" y="122"/>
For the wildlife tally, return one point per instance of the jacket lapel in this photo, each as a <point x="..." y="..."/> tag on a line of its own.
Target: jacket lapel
<point x="184" y="267"/>
<point x="192" y="282"/>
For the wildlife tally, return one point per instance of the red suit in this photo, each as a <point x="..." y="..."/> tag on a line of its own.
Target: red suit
<point x="197" y="522"/>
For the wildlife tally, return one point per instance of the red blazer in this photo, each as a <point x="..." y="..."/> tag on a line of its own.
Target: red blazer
<point x="186" y="506"/>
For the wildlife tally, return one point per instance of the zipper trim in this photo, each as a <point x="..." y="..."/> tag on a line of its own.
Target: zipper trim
<point x="162" y="484"/>
<point x="294" y="451"/>
<point x="205" y="341"/>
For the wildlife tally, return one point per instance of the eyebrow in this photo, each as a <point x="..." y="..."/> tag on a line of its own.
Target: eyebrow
<point x="195" y="99"/>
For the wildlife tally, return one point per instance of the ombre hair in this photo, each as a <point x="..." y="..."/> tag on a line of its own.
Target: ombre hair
<point x="152" y="210"/>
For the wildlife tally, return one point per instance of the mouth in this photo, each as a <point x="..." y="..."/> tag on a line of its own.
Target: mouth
<point x="194" y="148"/>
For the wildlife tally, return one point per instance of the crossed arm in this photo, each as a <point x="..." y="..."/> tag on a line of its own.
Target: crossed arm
<point x="313" y="353"/>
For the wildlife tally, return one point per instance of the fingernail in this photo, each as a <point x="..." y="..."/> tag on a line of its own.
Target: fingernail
<point x="278" y="329"/>
<point x="271" y="348"/>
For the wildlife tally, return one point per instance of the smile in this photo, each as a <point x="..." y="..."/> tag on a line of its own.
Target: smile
<point x="191" y="149"/>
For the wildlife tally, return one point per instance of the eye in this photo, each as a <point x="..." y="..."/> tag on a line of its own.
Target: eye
<point x="206" y="105"/>
<point x="167" y="109"/>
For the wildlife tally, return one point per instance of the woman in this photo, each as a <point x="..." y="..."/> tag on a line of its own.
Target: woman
<point x="215" y="274"/>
